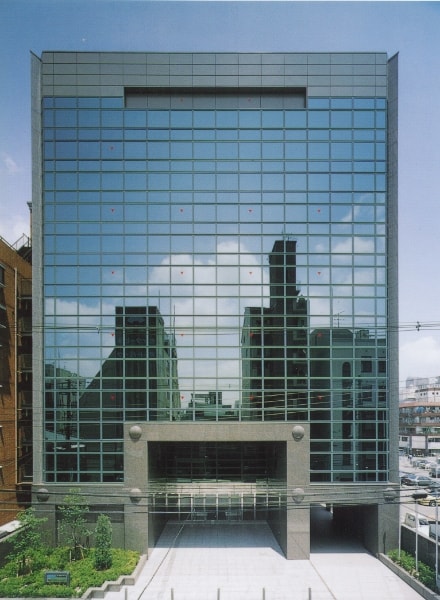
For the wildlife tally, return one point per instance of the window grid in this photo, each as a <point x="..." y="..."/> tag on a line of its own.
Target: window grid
<point x="171" y="218"/>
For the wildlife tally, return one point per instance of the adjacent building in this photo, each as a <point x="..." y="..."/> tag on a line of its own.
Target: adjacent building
<point x="215" y="282"/>
<point x="15" y="377"/>
<point x="419" y="417"/>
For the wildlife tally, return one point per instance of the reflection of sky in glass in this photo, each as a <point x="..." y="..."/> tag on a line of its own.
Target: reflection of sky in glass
<point x="183" y="216"/>
<point x="194" y="257"/>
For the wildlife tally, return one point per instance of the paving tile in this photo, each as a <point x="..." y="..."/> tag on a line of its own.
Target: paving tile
<point x="243" y="561"/>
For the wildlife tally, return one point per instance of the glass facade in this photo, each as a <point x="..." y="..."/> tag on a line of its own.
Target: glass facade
<point x="215" y="256"/>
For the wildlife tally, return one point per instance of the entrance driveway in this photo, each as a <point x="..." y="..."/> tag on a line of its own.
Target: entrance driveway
<point x="242" y="561"/>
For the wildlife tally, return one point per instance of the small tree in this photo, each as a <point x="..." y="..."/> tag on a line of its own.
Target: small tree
<point x="73" y="522"/>
<point x="27" y="542"/>
<point x="103" y="535"/>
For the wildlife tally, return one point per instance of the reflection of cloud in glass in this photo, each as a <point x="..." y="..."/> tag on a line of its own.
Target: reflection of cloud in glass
<point x="202" y="298"/>
<point x="360" y="213"/>
<point x="359" y="245"/>
<point x="77" y="332"/>
<point x="363" y="245"/>
<point x="229" y="253"/>
<point x="216" y="282"/>
<point x="364" y="276"/>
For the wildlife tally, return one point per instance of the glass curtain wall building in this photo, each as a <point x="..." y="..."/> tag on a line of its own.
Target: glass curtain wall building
<point x="215" y="241"/>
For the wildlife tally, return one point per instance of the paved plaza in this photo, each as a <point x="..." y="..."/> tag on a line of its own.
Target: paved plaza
<point x="243" y="561"/>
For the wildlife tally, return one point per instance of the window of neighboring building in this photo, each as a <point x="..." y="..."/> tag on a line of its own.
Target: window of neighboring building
<point x="2" y="275"/>
<point x="346" y="370"/>
<point x="367" y="366"/>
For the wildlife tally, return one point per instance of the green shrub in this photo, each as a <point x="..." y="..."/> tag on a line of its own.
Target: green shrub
<point x="425" y="574"/>
<point x="394" y="555"/>
<point x="103" y="543"/>
<point x="408" y="562"/>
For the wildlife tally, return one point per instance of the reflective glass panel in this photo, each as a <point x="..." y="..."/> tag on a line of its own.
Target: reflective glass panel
<point x="214" y="265"/>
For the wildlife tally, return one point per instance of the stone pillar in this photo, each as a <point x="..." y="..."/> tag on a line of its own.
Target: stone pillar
<point x="44" y="504"/>
<point x="389" y="520"/>
<point x="136" y="488"/>
<point x="298" y="508"/>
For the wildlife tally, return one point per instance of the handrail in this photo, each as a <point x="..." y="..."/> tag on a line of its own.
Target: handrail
<point x="23" y="241"/>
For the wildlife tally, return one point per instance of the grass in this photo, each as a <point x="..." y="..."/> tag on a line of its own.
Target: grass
<point x="82" y="574"/>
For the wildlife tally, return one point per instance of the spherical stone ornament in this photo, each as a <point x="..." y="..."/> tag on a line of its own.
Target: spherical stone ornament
<point x="43" y="495"/>
<point x="390" y="494"/>
<point x="298" y="495"/>
<point x="298" y="433"/>
<point x="135" y="432"/>
<point x="135" y="494"/>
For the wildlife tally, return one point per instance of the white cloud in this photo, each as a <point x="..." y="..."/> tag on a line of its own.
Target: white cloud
<point x="419" y="356"/>
<point x="14" y="194"/>
<point x="10" y="165"/>
<point x="14" y="214"/>
<point x="12" y="227"/>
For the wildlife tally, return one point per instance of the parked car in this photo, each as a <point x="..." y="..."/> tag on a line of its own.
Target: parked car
<point x="434" y="532"/>
<point x="421" y="463"/>
<point x="417" y="480"/>
<point x="410" y="520"/>
<point x="420" y="522"/>
<point x="434" y="471"/>
<point x="403" y="474"/>
<point x="430" y="500"/>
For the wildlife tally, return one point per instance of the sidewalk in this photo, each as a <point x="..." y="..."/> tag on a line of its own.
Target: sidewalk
<point x="242" y="561"/>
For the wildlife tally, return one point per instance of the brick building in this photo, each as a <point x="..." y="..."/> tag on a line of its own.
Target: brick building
<point x="15" y="377"/>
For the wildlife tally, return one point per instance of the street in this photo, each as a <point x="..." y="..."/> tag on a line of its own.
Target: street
<point x="407" y="503"/>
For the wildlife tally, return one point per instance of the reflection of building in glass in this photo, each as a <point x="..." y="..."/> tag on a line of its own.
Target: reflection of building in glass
<point x="62" y="433"/>
<point x="137" y="382"/>
<point x="209" y="407"/>
<point x="139" y="378"/>
<point x="348" y="403"/>
<point x="274" y="346"/>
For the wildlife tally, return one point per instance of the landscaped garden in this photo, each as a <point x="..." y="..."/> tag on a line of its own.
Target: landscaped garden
<point x="35" y="570"/>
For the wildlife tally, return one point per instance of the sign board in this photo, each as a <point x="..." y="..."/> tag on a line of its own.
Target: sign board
<point x="62" y="577"/>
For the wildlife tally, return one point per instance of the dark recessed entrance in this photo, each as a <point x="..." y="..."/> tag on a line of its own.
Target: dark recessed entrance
<point x="212" y="461"/>
<point x="215" y="481"/>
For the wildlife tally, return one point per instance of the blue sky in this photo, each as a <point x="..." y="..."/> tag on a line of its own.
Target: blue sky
<point x="409" y="28"/>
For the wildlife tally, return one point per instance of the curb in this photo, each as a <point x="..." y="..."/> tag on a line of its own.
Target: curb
<point x="406" y="577"/>
<point x="115" y="586"/>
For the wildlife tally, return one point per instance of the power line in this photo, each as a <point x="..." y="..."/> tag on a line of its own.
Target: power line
<point x="415" y="326"/>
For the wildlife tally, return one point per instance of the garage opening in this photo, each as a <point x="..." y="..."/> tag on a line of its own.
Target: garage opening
<point x="341" y="528"/>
